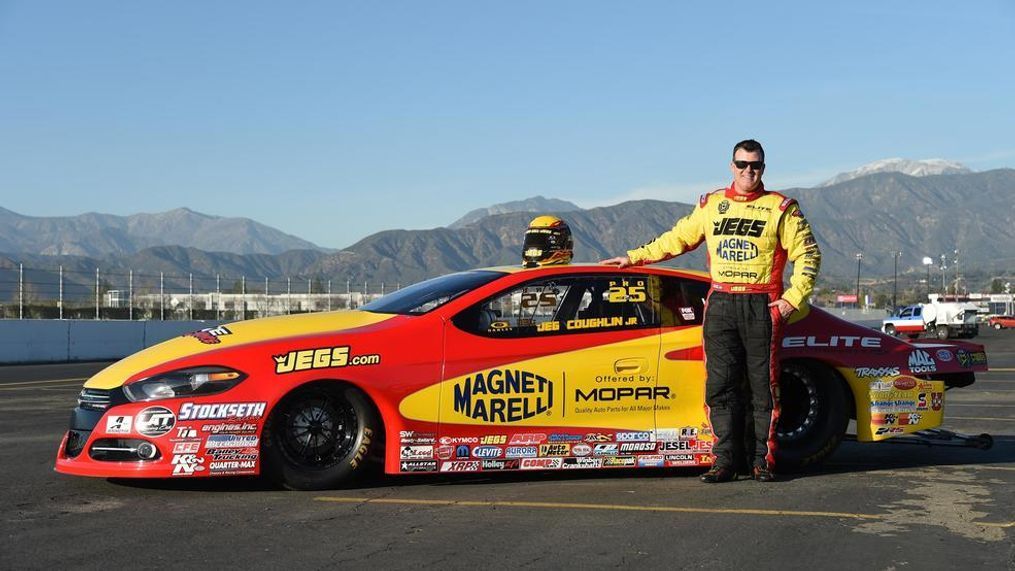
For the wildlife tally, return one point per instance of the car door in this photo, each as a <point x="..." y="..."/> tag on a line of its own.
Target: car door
<point x="682" y="426"/>
<point x="559" y="356"/>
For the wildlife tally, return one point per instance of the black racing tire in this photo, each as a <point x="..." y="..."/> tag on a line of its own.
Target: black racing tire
<point x="815" y="411"/>
<point x="320" y="437"/>
<point x="890" y="329"/>
<point x="942" y="332"/>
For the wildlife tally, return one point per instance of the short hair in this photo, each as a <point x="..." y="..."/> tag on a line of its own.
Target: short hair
<point x="751" y="146"/>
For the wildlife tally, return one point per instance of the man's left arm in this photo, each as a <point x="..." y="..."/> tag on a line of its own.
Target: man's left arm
<point x="802" y="250"/>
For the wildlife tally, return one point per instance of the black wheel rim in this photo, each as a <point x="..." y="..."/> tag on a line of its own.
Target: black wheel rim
<point x="800" y="405"/>
<point x="318" y="431"/>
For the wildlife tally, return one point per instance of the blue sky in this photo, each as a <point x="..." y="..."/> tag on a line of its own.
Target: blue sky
<point x="334" y="120"/>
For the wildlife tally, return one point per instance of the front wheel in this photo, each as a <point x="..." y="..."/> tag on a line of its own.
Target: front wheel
<point x="319" y="437"/>
<point x="997" y="326"/>
<point x="815" y="411"/>
<point x="942" y="332"/>
<point x="890" y="329"/>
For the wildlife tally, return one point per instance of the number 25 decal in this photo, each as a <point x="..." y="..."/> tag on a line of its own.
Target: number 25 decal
<point x="621" y="294"/>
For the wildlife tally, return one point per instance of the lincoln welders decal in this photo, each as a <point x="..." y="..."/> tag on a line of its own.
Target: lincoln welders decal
<point x="503" y="395"/>
<point x="322" y="358"/>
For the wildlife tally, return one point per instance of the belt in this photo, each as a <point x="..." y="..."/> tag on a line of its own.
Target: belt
<point x="747" y="288"/>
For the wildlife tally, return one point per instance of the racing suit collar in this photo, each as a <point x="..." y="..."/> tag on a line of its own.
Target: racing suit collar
<point x="732" y="194"/>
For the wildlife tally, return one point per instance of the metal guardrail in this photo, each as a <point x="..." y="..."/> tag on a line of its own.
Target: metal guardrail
<point x="33" y="293"/>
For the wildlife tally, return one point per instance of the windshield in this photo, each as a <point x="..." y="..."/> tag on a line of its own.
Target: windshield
<point x="426" y="296"/>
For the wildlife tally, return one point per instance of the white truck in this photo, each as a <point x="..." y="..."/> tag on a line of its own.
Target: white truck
<point x="942" y="319"/>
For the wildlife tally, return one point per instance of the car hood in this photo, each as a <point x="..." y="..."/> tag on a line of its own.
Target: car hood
<point x="228" y="336"/>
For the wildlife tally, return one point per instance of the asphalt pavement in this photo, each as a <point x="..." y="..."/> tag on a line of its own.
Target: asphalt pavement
<point x="872" y="506"/>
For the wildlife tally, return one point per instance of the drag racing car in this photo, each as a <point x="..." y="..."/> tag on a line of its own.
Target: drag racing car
<point x="551" y="368"/>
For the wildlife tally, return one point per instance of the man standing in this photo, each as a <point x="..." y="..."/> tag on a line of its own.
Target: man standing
<point x="749" y="233"/>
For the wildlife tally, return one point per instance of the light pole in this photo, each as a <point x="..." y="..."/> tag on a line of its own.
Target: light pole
<point x="956" y="275"/>
<point x="859" y="256"/>
<point x="943" y="267"/>
<point x="895" y="281"/>
<point x="928" y="261"/>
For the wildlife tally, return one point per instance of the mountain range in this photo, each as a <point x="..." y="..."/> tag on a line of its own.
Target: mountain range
<point x="100" y="235"/>
<point x="876" y="214"/>
<point x="925" y="167"/>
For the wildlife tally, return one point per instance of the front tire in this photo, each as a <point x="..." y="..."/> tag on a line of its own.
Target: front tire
<point x="320" y="437"/>
<point x="997" y="326"/>
<point x="815" y="411"/>
<point x="942" y="332"/>
<point x="890" y="330"/>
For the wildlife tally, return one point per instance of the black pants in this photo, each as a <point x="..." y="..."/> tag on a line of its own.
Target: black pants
<point x="741" y="390"/>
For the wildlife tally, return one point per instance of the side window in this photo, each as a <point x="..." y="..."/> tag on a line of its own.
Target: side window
<point x="555" y="306"/>
<point x="681" y="300"/>
<point x="917" y="311"/>
<point x="908" y="312"/>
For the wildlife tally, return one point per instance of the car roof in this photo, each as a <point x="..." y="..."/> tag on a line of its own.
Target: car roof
<point x="572" y="268"/>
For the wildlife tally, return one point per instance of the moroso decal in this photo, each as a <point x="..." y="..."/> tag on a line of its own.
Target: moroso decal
<point x="503" y="395"/>
<point x="322" y="358"/>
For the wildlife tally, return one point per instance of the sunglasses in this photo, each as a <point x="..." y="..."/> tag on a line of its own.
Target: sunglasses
<point x="756" y="165"/>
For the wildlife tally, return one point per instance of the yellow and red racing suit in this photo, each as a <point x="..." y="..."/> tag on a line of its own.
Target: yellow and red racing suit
<point x="749" y="239"/>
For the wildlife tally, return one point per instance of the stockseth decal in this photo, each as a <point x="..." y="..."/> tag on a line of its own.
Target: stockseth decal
<point x="191" y="411"/>
<point x="503" y="395"/>
<point x="322" y="358"/>
<point x="155" y="421"/>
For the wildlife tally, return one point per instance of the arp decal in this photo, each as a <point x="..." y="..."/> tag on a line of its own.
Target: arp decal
<point x="322" y="358"/>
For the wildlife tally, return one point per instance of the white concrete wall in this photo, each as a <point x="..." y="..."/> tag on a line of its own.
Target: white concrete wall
<point x="55" y="341"/>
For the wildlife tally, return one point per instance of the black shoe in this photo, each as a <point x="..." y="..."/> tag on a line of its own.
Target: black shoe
<point x="762" y="474"/>
<point x="717" y="474"/>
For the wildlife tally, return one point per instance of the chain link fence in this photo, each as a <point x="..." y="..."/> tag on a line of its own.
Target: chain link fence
<point x="33" y="293"/>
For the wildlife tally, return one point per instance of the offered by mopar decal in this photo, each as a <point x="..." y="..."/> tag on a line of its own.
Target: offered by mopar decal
<point x="155" y="421"/>
<point x="503" y="395"/>
<point x="323" y="358"/>
<point x="192" y="411"/>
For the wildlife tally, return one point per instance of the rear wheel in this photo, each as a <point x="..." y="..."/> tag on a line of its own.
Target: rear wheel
<point x="997" y="326"/>
<point x="320" y="437"/>
<point x="890" y="329"/>
<point x="815" y="411"/>
<point x="942" y="332"/>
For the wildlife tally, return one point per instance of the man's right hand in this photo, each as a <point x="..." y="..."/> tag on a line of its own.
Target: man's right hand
<point x="619" y="261"/>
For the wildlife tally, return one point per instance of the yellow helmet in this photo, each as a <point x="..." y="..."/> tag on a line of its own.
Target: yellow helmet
<point x="547" y="241"/>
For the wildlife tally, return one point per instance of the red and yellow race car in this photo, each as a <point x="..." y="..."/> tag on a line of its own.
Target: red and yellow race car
<point x="558" y="367"/>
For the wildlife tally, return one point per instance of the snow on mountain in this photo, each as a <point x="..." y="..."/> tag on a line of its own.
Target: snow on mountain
<point x="924" y="167"/>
